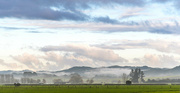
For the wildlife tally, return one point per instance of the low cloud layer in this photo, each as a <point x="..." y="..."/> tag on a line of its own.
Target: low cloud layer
<point x="159" y="45"/>
<point x="66" y="56"/>
<point x="31" y="61"/>
<point x="154" y="60"/>
<point x="87" y="51"/>
<point x="10" y="65"/>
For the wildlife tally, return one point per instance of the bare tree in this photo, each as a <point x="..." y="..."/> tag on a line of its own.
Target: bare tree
<point x="124" y="78"/>
<point x="76" y="79"/>
<point x="90" y="81"/>
<point x="57" y="81"/>
<point x="44" y="81"/>
<point x="119" y="81"/>
<point x="142" y="77"/>
<point x="38" y="81"/>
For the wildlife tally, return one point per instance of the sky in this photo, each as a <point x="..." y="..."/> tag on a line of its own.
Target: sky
<point x="58" y="34"/>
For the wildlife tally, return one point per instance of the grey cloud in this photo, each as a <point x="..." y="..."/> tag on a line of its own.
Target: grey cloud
<point x="161" y="28"/>
<point x="160" y="31"/>
<point x="36" y="32"/>
<point x="161" y="1"/>
<point x="72" y="10"/>
<point x="128" y="16"/>
<point x="14" y="28"/>
<point x="177" y="4"/>
<point x="144" y="26"/>
<point x="165" y="29"/>
<point x="106" y="20"/>
<point x="63" y="9"/>
<point x="151" y="26"/>
<point x="37" y="9"/>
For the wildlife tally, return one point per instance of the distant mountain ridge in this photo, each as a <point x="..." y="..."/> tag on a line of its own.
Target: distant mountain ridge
<point x="149" y="71"/>
<point x="131" y="67"/>
<point x="85" y="70"/>
<point x="81" y="69"/>
<point x="77" y="69"/>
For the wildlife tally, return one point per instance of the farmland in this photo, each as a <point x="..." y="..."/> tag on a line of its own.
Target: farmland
<point x="90" y="89"/>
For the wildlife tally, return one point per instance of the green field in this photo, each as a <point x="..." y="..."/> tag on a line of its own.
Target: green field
<point x="92" y="89"/>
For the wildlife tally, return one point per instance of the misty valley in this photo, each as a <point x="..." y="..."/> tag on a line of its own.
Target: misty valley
<point x="89" y="75"/>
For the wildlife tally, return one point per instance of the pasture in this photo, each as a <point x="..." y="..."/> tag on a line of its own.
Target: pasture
<point x="91" y="89"/>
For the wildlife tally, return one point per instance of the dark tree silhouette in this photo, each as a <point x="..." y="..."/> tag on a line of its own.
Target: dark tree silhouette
<point x="136" y="75"/>
<point x="128" y="82"/>
<point x="17" y="84"/>
<point x="142" y="76"/>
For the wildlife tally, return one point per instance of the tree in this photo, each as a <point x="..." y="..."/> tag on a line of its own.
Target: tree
<point x="119" y="81"/>
<point x="87" y="81"/>
<point x="128" y="82"/>
<point x="44" y="81"/>
<point x="38" y="81"/>
<point x="17" y="84"/>
<point x="76" y="79"/>
<point x="90" y="81"/>
<point x="136" y="75"/>
<point x="57" y="81"/>
<point x="124" y="78"/>
<point x="142" y="76"/>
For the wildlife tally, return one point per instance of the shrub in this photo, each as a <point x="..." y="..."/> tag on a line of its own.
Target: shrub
<point x="17" y="84"/>
<point x="128" y="82"/>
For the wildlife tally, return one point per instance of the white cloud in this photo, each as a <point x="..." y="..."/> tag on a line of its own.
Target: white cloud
<point x="166" y="46"/>
<point x="65" y="56"/>
<point x="10" y="65"/>
<point x="66" y="60"/>
<point x="53" y="61"/>
<point x="154" y="60"/>
<point x="29" y="60"/>
<point x="94" y="53"/>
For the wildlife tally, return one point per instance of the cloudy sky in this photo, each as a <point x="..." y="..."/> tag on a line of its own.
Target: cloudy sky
<point x="58" y="34"/>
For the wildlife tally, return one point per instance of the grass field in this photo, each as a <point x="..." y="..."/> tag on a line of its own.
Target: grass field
<point x="92" y="89"/>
